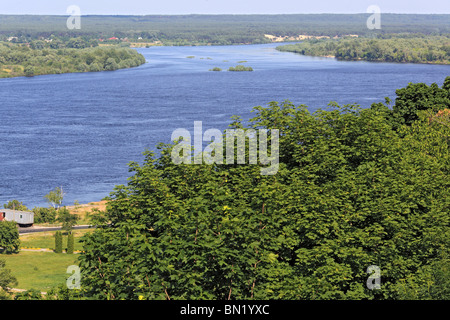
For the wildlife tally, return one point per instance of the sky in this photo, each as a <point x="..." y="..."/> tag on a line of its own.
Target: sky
<point x="144" y="7"/>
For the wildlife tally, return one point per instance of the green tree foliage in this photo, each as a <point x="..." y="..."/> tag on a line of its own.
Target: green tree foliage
<point x="7" y="280"/>
<point x="350" y="192"/>
<point x="29" y="71"/>
<point x="430" y="49"/>
<point x="67" y="219"/>
<point x="15" y="205"/>
<point x="58" y="242"/>
<point x="70" y="243"/>
<point x="9" y="237"/>
<point x="418" y="96"/>
<point x="44" y="215"/>
<point x="32" y="294"/>
<point x="111" y="64"/>
<point x="60" y="292"/>
<point x="413" y="99"/>
<point x="55" y="197"/>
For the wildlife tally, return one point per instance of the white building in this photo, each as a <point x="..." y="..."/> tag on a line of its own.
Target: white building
<point x="23" y="218"/>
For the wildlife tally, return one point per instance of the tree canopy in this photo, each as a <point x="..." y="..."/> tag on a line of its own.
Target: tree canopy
<point x="351" y="192"/>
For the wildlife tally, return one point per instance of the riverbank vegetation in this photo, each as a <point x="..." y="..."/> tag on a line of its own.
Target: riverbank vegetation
<point x="25" y="60"/>
<point x="430" y="49"/>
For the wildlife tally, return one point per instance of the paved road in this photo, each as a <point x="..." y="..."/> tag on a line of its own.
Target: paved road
<point x="44" y="229"/>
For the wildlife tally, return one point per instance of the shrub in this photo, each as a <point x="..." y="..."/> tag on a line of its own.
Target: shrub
<point x="58" y="242"/>
<point x="6" y="281"/>
<point x="70" y="243"/>
<point x="9" y="237"/>
<point x="44" y="215"/>
<point x="29" y="71"/>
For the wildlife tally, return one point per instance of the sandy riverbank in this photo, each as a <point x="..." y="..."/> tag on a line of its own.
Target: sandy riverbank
<point x="82" y="209"/>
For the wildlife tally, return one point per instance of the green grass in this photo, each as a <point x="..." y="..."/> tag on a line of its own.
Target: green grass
<point x="47" y="239"/>
<point x="39" y="270"/>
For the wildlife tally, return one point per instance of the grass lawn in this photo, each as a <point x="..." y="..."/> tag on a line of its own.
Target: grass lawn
<point x="47" y="239"/>
<point x="39" y="270"/>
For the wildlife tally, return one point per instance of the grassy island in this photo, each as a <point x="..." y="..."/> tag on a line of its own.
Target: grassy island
<point x="240" y="68"/>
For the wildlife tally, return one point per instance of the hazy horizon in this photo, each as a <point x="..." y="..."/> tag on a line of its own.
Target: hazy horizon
<point x="208" y="14"/>
<point x="221" y="7"/>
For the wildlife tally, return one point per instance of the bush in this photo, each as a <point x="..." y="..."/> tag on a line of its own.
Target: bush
<point x="9" y="237"/>
<point x="29" y="71"/>
<point x="58" y="242"/>
<point x="6" y="281"/>
<point x="44" y="215"/>
<point x="70" y="243"/>
<point x="95" y="67"/>
<point x="31" y="294"/>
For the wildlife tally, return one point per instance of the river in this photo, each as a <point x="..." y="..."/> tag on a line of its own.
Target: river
<point x="80" y="131"/>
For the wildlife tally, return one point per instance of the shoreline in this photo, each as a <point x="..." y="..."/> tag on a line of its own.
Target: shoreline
<point x="49" y="74"/>
<point x="373" y="61"/>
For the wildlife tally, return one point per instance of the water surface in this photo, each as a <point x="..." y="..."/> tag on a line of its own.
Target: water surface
<point x="80" y="131"/>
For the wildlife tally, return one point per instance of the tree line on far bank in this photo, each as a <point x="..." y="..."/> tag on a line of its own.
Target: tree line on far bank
<point x="22" y="60"/>
<point x="430" y="49"/>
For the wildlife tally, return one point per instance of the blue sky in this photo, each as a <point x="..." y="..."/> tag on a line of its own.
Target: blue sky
<point x="141" y="7"/>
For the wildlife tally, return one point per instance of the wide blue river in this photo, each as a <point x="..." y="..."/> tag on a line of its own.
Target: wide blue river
<point x="80" y="131"/>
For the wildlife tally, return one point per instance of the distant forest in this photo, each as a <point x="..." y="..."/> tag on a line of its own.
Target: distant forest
<point x="430" y="49"/>
<point x="215" y="29"/>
